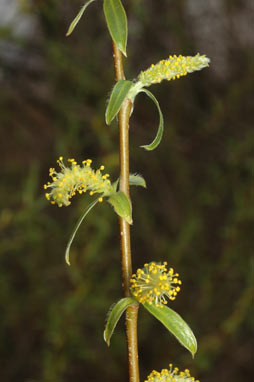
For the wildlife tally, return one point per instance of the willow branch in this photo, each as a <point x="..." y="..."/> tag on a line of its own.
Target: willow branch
<point x="132" y="311"/>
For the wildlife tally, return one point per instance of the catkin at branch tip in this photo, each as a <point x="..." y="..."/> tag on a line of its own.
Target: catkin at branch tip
<point x="172" y="68"/>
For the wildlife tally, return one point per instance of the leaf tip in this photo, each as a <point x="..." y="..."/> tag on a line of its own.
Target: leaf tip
<point x="195" y="351"/>
<point x="107" y="120"/>
<point x="67" y="259"/>
<point x="146" y="147"/>
<point x="129" y="220"/>
<point x="107" y="340"/>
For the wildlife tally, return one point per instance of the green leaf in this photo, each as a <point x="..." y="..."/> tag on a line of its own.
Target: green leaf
<point x="175" y="324"/>
<point x="115" y="185"/>
<point x="122" y="205"/>
<point x="114" y="315"/>
<point x="159" y="134"/>
<point x="118" y="95"/>
<point x="78" y="17"/>
<point x="67" y="251"/>
<point x="117" y="23"/>
<point x="137" y="180"/>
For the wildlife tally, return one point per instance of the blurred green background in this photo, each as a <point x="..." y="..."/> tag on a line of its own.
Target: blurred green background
<point x="197" y="212"/>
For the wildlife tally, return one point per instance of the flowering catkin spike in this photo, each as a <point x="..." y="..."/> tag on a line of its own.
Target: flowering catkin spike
<point x="170" y="375"/>
<point x="76" y="179"/>
<point x="172" y="68"/>
<point x="153" y="283"/>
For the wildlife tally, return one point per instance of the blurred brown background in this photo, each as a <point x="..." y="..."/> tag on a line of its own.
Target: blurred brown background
<point x="197" y="212"/>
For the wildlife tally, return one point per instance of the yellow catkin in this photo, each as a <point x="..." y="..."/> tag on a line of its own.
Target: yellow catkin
<point x="154" y="283"/>
<point x="76" y="179"/>
<point x="172" y="68"/>
<point x="170" y="375"/>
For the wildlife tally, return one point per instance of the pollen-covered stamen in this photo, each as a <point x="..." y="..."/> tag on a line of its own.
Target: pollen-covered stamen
<point x="172" y="68"/>
<point x="76" y="179"/>
<point x="170" y="375"/>
<point x="153" y="283"/>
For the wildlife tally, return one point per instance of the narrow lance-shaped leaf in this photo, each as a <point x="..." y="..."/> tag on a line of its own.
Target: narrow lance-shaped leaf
<point x="78" y="17"/>
<point x="159" y="134"/>
<point x="114" y="315"/>
<point x="137" y="180"/>
<point x="117" y="23"/>
<point x="122" y="205"/>
<point x="67" y="251"/>
<point x="175" y="324"/>
<point x="119" y="92"/>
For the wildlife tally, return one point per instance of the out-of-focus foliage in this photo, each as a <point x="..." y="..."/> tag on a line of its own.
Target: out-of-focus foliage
<point x="197" y="212"/>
